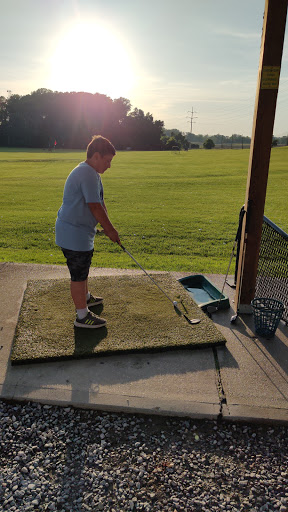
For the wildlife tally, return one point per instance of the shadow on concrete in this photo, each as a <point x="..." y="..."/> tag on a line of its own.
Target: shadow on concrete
<point x="276" y="352"/>
<point x="266" y="354"/>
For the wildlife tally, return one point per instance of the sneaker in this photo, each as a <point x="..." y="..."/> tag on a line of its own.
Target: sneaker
<point x="90" y="321"/>
<point x="94" y="301"/>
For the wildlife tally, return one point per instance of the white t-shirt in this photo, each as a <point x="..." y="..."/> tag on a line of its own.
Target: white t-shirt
<point x="75" y="224"/>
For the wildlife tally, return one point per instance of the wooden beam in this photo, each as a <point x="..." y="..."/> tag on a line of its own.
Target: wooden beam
<point x="262" y="134"/>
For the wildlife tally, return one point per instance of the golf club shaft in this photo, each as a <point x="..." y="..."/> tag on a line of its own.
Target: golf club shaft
<point x="213" y="309"/>
<point x="132" y="257"/>
<point x="232" y="254"/>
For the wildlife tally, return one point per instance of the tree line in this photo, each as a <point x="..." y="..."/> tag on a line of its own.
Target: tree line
<point x="227" y="141"/>
<point x="47" y="119"/>
<point x="191" y="140"/>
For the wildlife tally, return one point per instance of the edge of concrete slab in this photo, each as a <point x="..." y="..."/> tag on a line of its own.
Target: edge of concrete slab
<point x="149" y="406"/>
<point x="250" y="414"/>
<point x="121" y="404"/>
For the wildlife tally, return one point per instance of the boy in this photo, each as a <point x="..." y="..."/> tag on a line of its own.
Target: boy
<point x="82" y="208"/>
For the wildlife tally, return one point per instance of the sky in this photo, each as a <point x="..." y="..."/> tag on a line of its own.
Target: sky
<point x="178" y="60"/>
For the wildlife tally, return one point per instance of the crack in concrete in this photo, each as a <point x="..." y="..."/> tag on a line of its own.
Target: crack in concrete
<point x="221" y="391"/>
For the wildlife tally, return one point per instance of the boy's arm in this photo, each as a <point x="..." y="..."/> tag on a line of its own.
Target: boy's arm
<point x="101" y="215"/>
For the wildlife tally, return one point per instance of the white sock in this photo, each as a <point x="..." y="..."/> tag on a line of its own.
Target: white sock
<point x="81" y="313"/>
<point x="88" y="295"/>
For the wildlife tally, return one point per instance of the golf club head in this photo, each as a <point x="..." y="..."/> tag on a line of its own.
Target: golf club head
<point x="233" y="318"/>
<point x="192" y="321"/>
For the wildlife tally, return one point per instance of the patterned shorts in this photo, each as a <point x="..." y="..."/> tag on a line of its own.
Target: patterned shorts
<point x="78" y="263"/>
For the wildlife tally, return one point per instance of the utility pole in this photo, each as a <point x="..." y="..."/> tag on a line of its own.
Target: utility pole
<point x="192" y="117"/>
<point x="262" y="134"/>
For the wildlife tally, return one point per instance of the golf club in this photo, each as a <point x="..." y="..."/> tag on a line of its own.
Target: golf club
<point x="174" y="302"/>
<point x="213" y="309"/>
<point x="233" y="318"/>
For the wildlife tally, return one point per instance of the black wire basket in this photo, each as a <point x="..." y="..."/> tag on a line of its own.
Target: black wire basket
<point x="267" y="314"/>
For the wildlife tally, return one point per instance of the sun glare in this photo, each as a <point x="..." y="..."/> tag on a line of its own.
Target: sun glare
<point x="90" y="58"/>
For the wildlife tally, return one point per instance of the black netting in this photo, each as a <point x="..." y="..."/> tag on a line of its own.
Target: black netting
<point x="272" y="274"/>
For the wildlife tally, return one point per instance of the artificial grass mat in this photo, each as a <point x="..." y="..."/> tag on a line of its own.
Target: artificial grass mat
<point x="139" y="318"/>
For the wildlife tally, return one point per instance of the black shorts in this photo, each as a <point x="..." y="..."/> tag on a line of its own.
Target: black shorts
<point x="78" y="263"/>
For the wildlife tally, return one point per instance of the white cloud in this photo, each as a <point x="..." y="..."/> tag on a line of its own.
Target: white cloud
<point x="252" y="36"/>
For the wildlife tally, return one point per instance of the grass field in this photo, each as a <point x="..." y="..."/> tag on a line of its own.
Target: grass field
<point x="173" y="211"/>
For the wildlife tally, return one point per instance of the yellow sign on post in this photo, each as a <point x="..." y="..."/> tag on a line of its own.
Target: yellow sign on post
<point x="270" y="77"/>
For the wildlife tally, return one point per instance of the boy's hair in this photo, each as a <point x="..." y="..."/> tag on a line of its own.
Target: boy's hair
<point x="100" y="145"/>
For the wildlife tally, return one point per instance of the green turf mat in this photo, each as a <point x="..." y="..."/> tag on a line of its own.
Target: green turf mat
<point x="139" y="318"/>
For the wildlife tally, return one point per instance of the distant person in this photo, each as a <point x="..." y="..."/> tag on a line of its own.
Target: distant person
<point x="82" y="209"/>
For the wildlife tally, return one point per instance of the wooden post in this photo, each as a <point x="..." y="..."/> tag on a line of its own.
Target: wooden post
<point x="262" y="134"/>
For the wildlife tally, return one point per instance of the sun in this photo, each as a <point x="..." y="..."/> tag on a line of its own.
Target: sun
<point x="91" y="58"/>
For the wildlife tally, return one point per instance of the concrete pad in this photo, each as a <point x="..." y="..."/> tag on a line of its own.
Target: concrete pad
<point x="254" y="370"/>
<point x="182" y="383"/>
<point x="245" y="380"/>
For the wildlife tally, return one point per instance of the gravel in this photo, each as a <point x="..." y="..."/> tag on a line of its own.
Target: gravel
<point x="65" y="459"/>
